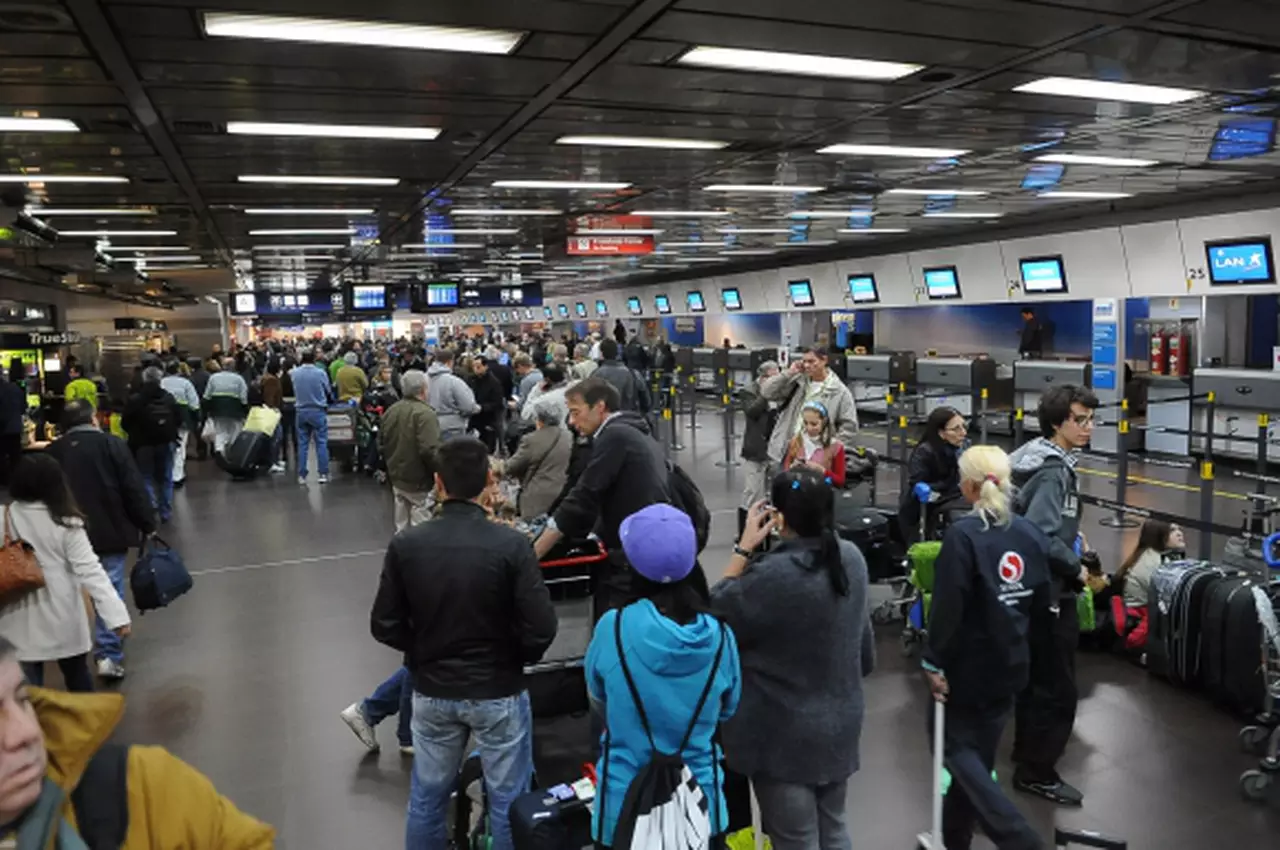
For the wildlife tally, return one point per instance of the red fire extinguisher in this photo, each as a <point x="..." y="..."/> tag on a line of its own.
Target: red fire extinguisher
<point x="1159" y="352"/>
<point x="1179" y="353"/>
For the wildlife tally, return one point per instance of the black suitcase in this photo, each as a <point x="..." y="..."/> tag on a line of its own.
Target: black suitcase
<point x="537" y="824"/>
<point x="245" y="457"/>
<point x="1170" y="630"/>
<point x="868" y="529"/>
<point x="1231" y="646"/>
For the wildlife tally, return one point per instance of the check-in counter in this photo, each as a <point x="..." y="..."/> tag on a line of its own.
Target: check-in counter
<point x="870" y="377"/>
<point x="1168" y="406"/>
<point x="704" y="369"/>
<point x="958" y="382"/>
<point x="1032" y="378"/>
<point x="743" y="363"/>
<point x="1240" y="395"/>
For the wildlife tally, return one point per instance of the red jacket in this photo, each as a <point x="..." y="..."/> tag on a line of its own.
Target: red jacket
<point x="832" y="459"/>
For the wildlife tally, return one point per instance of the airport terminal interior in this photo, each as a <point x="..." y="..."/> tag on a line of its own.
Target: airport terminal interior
<point x="963" y="203"/>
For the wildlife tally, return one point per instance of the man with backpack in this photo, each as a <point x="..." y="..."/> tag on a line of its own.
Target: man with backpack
<point x="152" y="419"/>
<point x="633" y="393"/>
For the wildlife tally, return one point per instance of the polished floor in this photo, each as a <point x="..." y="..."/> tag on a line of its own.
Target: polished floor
<point x="245" y="677"/>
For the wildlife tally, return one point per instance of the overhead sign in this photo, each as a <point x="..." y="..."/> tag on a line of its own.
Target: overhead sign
<point x="37" y="339"/>
<point x="1240" y="261"/>
<point x="613" y="241"/>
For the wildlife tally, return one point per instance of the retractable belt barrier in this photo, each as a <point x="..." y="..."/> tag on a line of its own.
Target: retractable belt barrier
<point x="724" y="379"/>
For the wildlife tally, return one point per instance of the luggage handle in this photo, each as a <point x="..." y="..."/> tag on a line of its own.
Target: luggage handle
<point x="1063" y="838"/>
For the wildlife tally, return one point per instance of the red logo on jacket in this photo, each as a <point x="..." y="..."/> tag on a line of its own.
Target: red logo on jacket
<point x="1011" y="568"/>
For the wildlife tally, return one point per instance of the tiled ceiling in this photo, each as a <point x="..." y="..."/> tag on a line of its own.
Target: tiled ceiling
<point x="151" y="93"/>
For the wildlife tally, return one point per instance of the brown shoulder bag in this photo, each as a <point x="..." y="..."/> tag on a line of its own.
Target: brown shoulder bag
<point x="20" y="572"/>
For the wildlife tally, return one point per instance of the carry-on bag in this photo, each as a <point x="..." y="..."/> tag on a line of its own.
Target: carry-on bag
<point x="20" y="572"/>
<point x="1230" y="646"/>
<point x="868" y="529"/>
<point x="247" y="454"/>
<point x="159" y="577"/>
<point x="542" y="820"/>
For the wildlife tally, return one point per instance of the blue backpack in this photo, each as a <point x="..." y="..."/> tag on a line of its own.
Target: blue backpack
<point x="159" y="577"/>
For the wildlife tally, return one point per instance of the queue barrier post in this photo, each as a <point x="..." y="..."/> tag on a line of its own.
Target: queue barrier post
<point x="691" y="401"/>
<point x="673" y="412"/>
<point x="1019" y="427"/>
<point x="1121" y="519"/>
<point x="1206" y="481"/>
<point x="1260" y="486"/>
<point x="726" y="409"/>
<point x="982" y="422"/>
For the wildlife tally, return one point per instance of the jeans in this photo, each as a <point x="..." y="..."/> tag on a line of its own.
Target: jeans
<point x="156" y="465"/>
<point x="412" y="507"/>
<point x="75" y="673"/>
<point x="803" y="817"/>
<point x="313" y="422"/>
<point x="289" y="428"/>
<point x="394" y="696"/>
<point x="503" y="731"/>
<point x="108" y="642"/>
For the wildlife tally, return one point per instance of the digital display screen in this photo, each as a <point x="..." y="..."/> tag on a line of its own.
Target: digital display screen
<point x="53" y="364"/>
<point x="942" y="282"/>
<point x="801" y="293"/>
<point x="602" y="309"/>
<point x="633" y="306"/>
<point x="504" y="316"/>
<point x="244" y="304"/>
<point x="364" y="297"/>
<point x="442" y="294"/>
<point x="695" y="302"/>
<point x="564" y="311"/>
<point x="731" y="299"/>
<point x="1240" y="261"/>
<point x="862" y="289"/>
<point x="546" y="311"/>
<point x="662" y="303"/>
<point x="1043" y="176"/>
<point x="512" y="295"/>
<point x="528" y="314"/>
<point x="1242" y="138"/>
<point x="1043" y="274"/>
<point x="580" y="309"/>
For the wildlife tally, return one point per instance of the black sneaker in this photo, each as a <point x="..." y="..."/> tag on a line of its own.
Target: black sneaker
<point x="1055" y="791"/>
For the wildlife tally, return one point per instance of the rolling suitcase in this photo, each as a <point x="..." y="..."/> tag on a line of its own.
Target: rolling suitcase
<point x="868" y="529"/>
<point x="246" y="455"/>
<point x="540" y="821"/>
<point x="1231" y="637"/>
<point x="1174" y="612"/>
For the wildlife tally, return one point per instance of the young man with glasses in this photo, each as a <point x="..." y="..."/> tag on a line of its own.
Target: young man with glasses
<point x="1044" y="470"/>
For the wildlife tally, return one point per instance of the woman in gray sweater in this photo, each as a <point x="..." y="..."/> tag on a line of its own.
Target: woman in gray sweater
<point x="804" y="635"/>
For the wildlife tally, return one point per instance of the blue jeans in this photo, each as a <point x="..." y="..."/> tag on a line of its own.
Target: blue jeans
<point x="156" y="465"/>
<point x="108" y="642"/>
<point x="313" y="422"/>
<point x="394" y="696"/>
<point x="503" y="730"/>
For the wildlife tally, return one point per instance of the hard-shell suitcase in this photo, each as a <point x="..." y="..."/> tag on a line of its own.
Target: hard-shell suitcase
<point x="868" y="529"/>
<point x="1172" y="629"/>
<point x="540" y="822"/>
<point x="1230" y="648"/>
<point x="247" y="454"/>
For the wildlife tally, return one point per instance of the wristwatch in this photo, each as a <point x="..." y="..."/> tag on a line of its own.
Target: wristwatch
<point x="738" y="550"/>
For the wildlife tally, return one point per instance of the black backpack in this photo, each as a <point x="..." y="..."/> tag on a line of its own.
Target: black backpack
<point x="664" y="807"/>
<point x="101" y="799"/>
<point x="686" y="496"/>
<point x="162" y="421"/>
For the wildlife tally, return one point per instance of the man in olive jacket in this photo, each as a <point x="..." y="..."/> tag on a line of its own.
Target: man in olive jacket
<point x="409" y="438"/>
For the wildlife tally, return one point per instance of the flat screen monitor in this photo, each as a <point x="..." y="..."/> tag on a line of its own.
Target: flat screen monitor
<point x="1240" y="261"/>
<point x="941" y="283"/>
<point x="244" y="304"/>
<point x="528" y="314"/>
<point x="442" y="295"/>
<point x="546" y="311"/>
<point x="564" y="311"/>
<point x="53" y="364"/>
<point x="505" y="316"/>
<point x="511" y="295"/>
<point x="731" y="299"/>
<point x="602" y="309"/>
<point x="663" y="304"/>
<point x="862" y="289"/>
<point x="580" y="309"/>
<point x="634" y="307"/>
<point x="1043" y="274"/>
<point x="695" y="302"/>
<point x="801" y="293"/>
<point x="368" y="297"/>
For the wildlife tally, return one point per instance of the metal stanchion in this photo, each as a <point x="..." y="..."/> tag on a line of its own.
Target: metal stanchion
<point x="691" y="401"/>
<point x="672" y="413"/>
<point x="1206" y="482"/>
<point x="982" y="422"/>
<point x="1260" y="486"/>
<point x="1120" y="519"/>
<point x="726" y="408"/>
<point x="1019" y="427"/>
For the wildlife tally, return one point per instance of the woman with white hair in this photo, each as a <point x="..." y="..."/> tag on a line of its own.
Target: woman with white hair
<point x="541" y="463"/>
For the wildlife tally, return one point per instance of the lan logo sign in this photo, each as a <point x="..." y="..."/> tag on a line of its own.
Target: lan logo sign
<point x="1241" y="263"/>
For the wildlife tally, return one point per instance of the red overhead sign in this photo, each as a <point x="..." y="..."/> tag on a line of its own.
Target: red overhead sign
<point x="582" y="242"/>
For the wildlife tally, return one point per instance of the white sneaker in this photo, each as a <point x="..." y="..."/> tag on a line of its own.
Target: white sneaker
<point x="278" y="468"/>
<point x="353" y="716"/>
<point x="302" y="481"/>
<point x="109" y="669"/>
<point x="406" y="750"/>
<point x="323" y="479"/>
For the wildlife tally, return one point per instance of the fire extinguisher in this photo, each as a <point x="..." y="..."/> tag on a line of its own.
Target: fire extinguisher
<point x="1179" y="353"/>
<point x="1159" y="352"/>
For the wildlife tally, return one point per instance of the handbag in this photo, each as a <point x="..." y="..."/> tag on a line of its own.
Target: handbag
<point x="159" y="577"/>
<point x="20" y="572"/>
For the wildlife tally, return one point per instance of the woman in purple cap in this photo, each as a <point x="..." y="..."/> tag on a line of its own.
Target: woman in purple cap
<point x="663" y="673"/>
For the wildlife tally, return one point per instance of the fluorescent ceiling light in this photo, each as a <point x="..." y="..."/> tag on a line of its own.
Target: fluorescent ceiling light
<point x="962" y="214"/>
<point x="796" y="63"/>
<point x="558" y="184"/>
<point x="317" y="180"/>
<point x="307" y="211"/>
<point x="451" y="247"/>
<point x="1090" y="159"/>
<point x="943" y="193"/>
<point x="642" y="142"/>
<point x="513" y="262"/>
<point x="74" y="211"/>
<point x="893" y="150"/>
<point x="871" y="230"/>
<point x="1103" y="90"/>
<point x="176" y="258"/>
<point x="812" y="243"/>
<point x="516" y="211"/>
<point x="753" y="231"/>
<point x="180" y="268"/>
<point x="112" y="249"/>
<point x="715" y="244"/>
<point x="37" y="177"/>
<point x="304" y="231"/>
<point x="748" y="252"/>
<point x="329" y="247"/>
<point x="620" y="231"/>
<point x="18" y="124"/>
<point x="274" y="260"/>
<point x="364" y="33"/>
<point x="761" y="187"/>
<point x="110" y="233"/>
<point x="698" y="260"/>
<point x="332" y="131"/>
<point x="681" y="213"/>
<point x="842" y="214"/>
<point x="1071" y="194"/>
<point x="473" y="231"/>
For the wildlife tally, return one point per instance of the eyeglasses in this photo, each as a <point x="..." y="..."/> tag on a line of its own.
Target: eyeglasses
<point x="1083" y="420"/>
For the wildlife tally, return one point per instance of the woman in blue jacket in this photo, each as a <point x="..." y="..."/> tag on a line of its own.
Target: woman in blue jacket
<point x="674" y="651"/>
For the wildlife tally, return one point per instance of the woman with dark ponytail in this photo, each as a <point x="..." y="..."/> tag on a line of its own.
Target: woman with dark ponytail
<point x="799" y="613"/>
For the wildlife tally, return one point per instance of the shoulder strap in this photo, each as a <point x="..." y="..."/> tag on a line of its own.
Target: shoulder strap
<point x="631" y="684"/>
<point x="706" y="692"/>
<point x="101" y="800"/>
<point x="8" y="535"/>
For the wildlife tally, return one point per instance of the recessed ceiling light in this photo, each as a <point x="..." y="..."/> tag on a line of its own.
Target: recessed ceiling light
<point x="365" y="33"/>
<point x="558" y="184"/>
<point x="37" y="177"/>
<point x="620" y="231"/>
<point x="1103" y="90"/>
<point x="471" y="231"/>
<point x="330" y="247"/>
<point x="681" y="213"/>
<point x="318" y="180"/>
<point x="944" y="193"/>
<point x="511" y="211"/>
<point x="761" y="187"/>
<point x="1090" y="159"/>
<point x="1071" y="194"/>
<point x="807" y="64"/>
<point x="332" y="131"/>
<point x="76" y="211"/>
<point x="753" y="231"/>
<point x="962" y="214"/>
<point x="309" y="211"/>
<point x="871" y="231"/>
<point x="18" y="124"/>
<point x="304" y="231"/>
<point x="893" y="150"/>
<point x="831" y="214"/>
<point x="642" y="142"/>
<point x="112" y="233"/>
